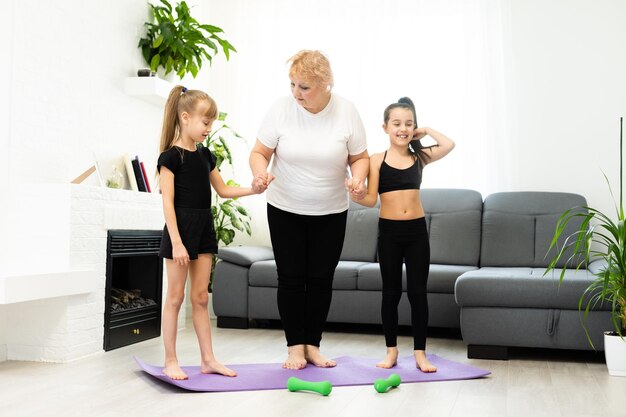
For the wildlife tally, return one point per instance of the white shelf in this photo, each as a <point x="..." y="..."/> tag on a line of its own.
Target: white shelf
<point x="39" y="286"/>
<point x="151" y="89"/>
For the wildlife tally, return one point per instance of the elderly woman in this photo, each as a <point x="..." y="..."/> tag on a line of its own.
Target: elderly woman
<point x="314" y="136"/>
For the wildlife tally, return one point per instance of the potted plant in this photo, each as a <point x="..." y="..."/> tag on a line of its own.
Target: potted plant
<point x="177" y="42"/>
<point x="600" y="238"/>
<point x="229" y="216"/>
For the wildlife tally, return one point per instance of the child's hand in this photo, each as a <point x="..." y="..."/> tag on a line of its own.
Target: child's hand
<point x="261" y="182"/>
<point x="419" y="133"/>
<point x="356" y="188"/>
<point x="180" y="255"/>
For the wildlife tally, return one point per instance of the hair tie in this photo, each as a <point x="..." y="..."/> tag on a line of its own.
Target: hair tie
<point x="184" y="90"/>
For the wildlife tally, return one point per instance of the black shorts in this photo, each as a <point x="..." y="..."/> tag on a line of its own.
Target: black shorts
<point x="196" y="231"/>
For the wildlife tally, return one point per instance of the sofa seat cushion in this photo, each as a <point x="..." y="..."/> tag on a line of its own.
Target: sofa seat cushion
<point x="264" y="274"/>
<point x="441" y="278"/>
<point x="522" y="288"/>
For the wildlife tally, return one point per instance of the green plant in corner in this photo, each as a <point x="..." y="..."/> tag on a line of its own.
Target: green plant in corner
<point x="177" y="42"/>
<point x="598" y="238"/>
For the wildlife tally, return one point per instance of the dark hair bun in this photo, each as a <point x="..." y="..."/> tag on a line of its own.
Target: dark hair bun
<point x="406" y="100"/>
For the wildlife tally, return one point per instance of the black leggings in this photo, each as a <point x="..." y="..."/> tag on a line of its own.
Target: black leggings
<point x="307" y="250"/>
<point x="404" y="240"/>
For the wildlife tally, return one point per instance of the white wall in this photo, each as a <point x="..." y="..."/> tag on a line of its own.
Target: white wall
<point x="445" y="55"/>
<point x="69" y="63"/>
<point x="568" y="78"/>
<point x="6" y="45"/>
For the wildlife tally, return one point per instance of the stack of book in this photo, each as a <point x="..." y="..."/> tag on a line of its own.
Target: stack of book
<point x="136" y="172"/>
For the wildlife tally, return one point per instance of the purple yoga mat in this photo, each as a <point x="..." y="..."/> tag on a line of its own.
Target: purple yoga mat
<point x="349" y="371"/>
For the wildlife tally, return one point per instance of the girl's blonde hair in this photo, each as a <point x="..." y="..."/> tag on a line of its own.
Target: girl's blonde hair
<point x="313" y="66"/>
<point x="182" y="100"/>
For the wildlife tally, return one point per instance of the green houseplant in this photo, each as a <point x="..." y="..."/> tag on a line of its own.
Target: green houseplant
<point x="177" y="42"/>
<point x="598" y="238"/>
<point x="229" y="216"/>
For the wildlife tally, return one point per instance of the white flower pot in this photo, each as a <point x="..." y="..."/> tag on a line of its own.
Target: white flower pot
<point x="615" y="354"/>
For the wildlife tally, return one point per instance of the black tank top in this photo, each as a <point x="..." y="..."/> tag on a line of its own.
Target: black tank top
<point x="394" y="179"/>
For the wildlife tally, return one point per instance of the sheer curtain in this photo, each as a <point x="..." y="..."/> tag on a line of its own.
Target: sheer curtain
<point x="448" y="56"/>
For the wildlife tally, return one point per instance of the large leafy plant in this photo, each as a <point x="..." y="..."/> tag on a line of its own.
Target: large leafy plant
<point x="228" y="215"/>
<point x="177" y="42"/>
<point x="598" y="238"/>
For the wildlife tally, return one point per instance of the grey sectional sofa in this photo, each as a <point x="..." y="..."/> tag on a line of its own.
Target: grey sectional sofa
<point x="509" y="302"/>
<point x="487" y="262"/>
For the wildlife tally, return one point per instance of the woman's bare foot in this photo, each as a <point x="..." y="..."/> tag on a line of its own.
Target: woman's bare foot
<point x="313" y="355"/>
<point x="295" y="357"/>
<point x="173" y="371"/>
<point x="422" y="361"/>
<point x="391" y="359"/>
<point x="214" y="367"/>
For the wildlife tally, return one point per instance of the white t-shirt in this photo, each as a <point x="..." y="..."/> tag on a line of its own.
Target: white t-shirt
<point x="311" y="154"/>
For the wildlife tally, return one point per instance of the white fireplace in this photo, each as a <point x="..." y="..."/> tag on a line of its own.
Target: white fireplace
<point x="52" y="287"/>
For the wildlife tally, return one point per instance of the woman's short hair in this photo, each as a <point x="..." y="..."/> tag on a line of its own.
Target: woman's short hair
<point x="312" y="66"/>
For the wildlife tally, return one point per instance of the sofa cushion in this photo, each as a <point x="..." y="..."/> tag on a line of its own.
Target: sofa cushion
<point x="453" y="218"/>
<point x="522" y="288"/>
<point x="518" y="227"/>
<point x="361" y="234"/>
<point x="245" y="255"/>
<point x="264" y="274"/>
<point x="441" y="278"/>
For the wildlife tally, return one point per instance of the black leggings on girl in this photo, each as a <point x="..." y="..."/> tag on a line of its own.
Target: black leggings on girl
<point x="404" y="240"/>
<point x="307" y="250"/>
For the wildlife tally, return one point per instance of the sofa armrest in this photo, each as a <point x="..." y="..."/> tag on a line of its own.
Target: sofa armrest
<point x="245" y="255"/>
<point x="596" y="266"/>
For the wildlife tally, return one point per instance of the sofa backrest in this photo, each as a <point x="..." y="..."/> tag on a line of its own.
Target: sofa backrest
<point x="518" y="227"/>
<point x="361" y="234"/>
<point x="453" y="218"/>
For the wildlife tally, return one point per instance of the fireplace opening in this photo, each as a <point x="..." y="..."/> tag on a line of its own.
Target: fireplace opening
<point x="134" y="282"/>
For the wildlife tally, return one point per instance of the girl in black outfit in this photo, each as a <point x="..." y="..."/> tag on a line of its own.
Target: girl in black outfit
<point x="187" y="172"/>
<point x="396" y="176"/>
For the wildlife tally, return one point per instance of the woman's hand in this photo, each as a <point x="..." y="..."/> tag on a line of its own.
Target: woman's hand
<point x="180" y="255"/>
<point x="261" y="182"/>
<point x="356" y="188"/>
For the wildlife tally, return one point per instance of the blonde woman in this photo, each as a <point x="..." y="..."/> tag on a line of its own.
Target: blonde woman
<point x="313" y="136"/>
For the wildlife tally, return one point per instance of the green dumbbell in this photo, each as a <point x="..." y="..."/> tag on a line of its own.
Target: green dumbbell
<point x="296" y="384"/>
<point x="382" y="385"/>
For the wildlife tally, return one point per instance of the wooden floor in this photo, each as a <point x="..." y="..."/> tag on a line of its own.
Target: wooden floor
<point x="532" y="383"/>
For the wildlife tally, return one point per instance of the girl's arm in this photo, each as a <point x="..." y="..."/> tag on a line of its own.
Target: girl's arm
<point x="166" y="183"/>
<point x="443" y="147"/>
<point x="371" y="197"/>
<point x="228" y="191"/>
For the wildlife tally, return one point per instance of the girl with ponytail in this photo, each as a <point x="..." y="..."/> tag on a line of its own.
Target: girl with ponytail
<point x="396" y="176"/>
<point x="186" y="173"/>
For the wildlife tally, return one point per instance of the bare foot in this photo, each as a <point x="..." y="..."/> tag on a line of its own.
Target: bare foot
<point x="295" y="357"/>
<point x="214" y="367"/>
<point x="391" y="359"/>
<point x="313" y="355"/>
<point x="422" y="362"/>
<point x="173" y="370"/>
